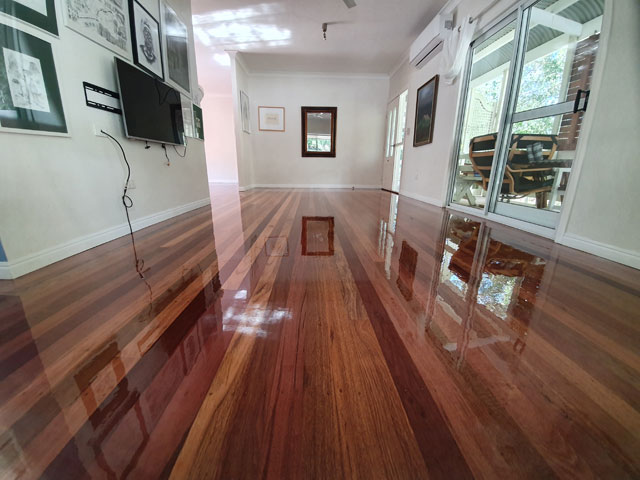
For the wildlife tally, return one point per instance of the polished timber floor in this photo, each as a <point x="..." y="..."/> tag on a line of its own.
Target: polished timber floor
<point x="322" y="334"/>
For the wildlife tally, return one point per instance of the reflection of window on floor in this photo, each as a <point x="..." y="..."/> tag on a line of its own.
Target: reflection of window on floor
<point x="446" y="275"/>
<point x="495" y="293"/>
<point x="319" y="143"/>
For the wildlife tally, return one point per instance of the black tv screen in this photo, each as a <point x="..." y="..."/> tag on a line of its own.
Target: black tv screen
<point x="152" y="110"/>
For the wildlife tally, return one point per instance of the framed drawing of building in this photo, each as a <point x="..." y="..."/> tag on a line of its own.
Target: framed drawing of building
<point x="106" y="22"/>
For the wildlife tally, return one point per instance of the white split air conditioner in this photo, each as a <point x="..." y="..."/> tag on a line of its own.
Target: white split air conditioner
<point x="425" y="47"/>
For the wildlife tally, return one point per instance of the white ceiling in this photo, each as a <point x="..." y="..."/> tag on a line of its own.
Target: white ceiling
<point x="286" y="35"/>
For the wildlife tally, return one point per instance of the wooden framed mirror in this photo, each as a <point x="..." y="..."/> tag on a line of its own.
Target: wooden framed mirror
<point x="319" y="131"/>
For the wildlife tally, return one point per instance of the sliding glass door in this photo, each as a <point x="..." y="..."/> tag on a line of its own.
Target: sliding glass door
<point x="521" y="168"/>
<point x="490" y="65"/>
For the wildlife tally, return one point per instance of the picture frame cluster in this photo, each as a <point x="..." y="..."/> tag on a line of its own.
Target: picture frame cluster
<point x="30" y="93"/>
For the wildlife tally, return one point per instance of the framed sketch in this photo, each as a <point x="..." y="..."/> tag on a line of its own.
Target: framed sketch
<point x="106" y="22"/>
<point x="145" y="40"/>
<point x="176" y="40"/>
<point x="30" y="97"/>
<point x="425" y="112"/>
<point x="271" y="119"/>
<point x="245" y="112"/>
<point x="198" y="125"/>
<point x="39" y="13"/>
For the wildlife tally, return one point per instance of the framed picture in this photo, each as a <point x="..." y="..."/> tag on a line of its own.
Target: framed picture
<point x="176" y="40"/>
<point x="198" y="125"/>
<point x="106" y="22"/>
<point x="245" y="112"/>
<point x="145" y="40"/>
<point x="271" y="119"/>
<point x="425" y="112"/>
<point x="39" y="13"/>
<point x="30" y="97"/>
<point x="187" y="116"/>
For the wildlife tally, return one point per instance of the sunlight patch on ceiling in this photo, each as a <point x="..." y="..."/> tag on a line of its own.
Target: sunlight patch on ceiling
<point x="241" y="28"/>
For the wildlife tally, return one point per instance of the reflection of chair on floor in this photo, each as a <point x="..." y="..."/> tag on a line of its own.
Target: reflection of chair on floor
<point x="529" y="166"/>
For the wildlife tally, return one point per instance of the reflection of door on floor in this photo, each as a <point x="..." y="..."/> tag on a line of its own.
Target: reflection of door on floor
<point x="394" y="142"/>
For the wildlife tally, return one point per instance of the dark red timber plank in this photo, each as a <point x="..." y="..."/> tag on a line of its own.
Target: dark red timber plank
<point x="439" y="449"/>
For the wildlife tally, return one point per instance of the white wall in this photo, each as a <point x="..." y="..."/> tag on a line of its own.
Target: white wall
<point x="605" y="209"/>
<point x="61" y="195"/>
<point x="275" y="158"/>
<point x="214" y="75"/>
<point x="219" y="138"/>
<point x="244" y="149"/>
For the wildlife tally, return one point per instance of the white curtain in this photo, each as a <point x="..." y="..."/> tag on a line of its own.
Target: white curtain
<point x="456" y="47"/>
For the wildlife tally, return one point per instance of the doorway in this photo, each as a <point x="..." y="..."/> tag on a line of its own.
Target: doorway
<point x="528" y="82"/>
<point x="394" y="143"/>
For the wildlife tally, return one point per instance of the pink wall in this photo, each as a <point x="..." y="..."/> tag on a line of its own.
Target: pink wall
<point x="214" y="75"/>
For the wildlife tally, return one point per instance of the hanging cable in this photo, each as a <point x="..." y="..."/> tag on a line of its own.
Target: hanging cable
<point x="185" y="149"/>
<point x="128" y="203"/>
<point x="164" y="147"/>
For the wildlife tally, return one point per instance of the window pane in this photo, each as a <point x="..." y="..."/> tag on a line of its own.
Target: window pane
<point x="538" y="163"/>
<point x="484" y="104"/>
<point x="562" y="43"/>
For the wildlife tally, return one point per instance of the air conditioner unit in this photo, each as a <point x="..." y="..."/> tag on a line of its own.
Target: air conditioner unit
<point x="425" y="47"/>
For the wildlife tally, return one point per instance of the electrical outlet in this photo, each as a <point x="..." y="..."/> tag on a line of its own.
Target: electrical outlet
<point x="97" y="132"/>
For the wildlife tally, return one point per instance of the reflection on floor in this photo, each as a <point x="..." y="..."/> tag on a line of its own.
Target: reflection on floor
<point x="332" y="334"/>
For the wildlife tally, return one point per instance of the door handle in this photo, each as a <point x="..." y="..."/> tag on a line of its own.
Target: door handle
<point x="576" y="103"/>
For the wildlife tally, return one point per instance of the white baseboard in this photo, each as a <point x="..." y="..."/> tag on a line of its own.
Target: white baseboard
<point x="5" y="271"/>
<point x="421" y="198"/>
<point x="626" y="257"/>
<point x="35" y="261"/>
<point x="317" y="185"/>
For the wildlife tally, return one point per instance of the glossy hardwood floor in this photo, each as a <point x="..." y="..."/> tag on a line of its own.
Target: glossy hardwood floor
<point x="322" y="334"/>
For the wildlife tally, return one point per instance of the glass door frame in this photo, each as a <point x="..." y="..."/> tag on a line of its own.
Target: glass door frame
<point x="491" y="30"/>
<point x="521" y="13"/>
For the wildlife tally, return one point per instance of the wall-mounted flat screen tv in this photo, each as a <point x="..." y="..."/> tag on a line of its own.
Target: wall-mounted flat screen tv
<point x="152" y="110"/>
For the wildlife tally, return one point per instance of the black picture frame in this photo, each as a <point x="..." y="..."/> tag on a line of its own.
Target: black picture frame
<point x="30" y="79"/>
<point x="135" y="42"/>
<point x="48" y="22"/>
<point x="198" y="123"/>
<point x="177" y="49"/>
<point x="426" y="100"/>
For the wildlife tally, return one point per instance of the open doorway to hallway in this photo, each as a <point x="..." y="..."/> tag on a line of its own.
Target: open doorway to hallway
<point x="394" y="143"/>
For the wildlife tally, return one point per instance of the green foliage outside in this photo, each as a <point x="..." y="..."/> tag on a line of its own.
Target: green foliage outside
<point x="318" y="144"/>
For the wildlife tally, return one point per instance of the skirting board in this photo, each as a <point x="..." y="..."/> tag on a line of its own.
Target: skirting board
<point x="5" y="271"/>
<point x="422" y="198"/>
<point x="307" y="185"/>
<point x="618" y="255"/>
<point x="35" y="261"/>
